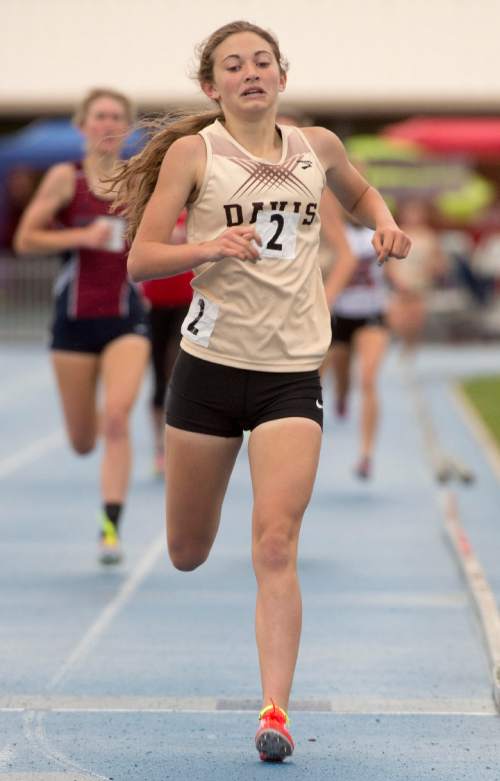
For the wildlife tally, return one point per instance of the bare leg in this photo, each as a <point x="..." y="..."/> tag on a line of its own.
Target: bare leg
<point x="76" y="375"/>
<point x="197" y="471"/>
<point x="406" y="317"/>
<point x="122" y="364"/>
<point x="371" y="344"/>
<point x="341" y="366"/>
<point x="284" y="457"/>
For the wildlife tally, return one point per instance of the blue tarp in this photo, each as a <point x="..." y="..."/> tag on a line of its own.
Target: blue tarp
<point x="47" y="141"/>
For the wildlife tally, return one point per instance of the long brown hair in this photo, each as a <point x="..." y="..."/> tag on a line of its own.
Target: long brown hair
<point x="136" y="178"/>
<point x="102" y="92"/>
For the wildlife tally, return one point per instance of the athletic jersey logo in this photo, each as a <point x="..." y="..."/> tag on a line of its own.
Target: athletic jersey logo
<point x="265" y="176"/>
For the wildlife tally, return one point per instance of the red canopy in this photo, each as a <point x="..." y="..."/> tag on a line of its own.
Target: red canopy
<point x="477" y="136"/>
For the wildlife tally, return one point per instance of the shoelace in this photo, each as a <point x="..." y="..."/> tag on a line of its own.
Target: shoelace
<point x="275" y="711"/>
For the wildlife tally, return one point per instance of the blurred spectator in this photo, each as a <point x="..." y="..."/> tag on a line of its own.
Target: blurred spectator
<point x="413" y="277"/>
<point x="459" y="247"/>
<point x="486" y="257"/>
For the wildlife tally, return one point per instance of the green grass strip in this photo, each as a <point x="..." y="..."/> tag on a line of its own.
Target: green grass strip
<point x="484" y="394"/>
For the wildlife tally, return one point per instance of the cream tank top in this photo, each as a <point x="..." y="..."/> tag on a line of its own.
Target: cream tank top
<point x="270" y="314"/>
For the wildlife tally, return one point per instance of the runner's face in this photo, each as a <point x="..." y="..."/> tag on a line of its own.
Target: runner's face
<point x="246" y="75"/>
<point x="105" y="125"/>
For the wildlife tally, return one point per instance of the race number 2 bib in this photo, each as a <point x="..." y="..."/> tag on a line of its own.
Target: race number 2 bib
<point x="278" y="231"/>
<point x="200" y="320"/>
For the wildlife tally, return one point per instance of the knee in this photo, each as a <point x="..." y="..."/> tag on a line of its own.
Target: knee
<point x="368" y="382"/>
<point x="115" y="423"/>
<point x="82" y="444"/>
<point x="186" y="557"/>
<point x="273" y="551"/>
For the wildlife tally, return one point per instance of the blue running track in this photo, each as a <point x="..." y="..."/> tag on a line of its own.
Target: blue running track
<point x="144" y="673"/>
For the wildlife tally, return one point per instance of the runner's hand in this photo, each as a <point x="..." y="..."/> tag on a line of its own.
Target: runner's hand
<point x="237" y="242"/>
<point x="97" y="235"/>
<point x="390" y="242"/>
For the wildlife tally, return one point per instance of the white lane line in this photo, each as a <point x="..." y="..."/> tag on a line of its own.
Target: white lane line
<point x="432" y="446"/>
<point x="33" y="718"/>
<point x="384" y="599"/>
<point x="9" y="466"/>
<point x="124" y="593"/>
<point x="444" y="466"/>
<point x="482" y="595"/>
<point x="475" y="423"/>
<point x="64" y="702"/>
<point x="30" y="453"/>
<point x="203" y="705"/>
<point x="36" y="738"/>
<point x="477" y="584"/>
<point x="428" y="706"/>
<point x="44" y="777"/>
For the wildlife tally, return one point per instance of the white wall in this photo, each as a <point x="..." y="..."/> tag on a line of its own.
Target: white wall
<point x="369" y="55"/>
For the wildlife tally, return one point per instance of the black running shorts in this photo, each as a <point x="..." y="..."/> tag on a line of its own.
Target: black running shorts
<point x="344" y="328"/>
<point x="210" y="398"/>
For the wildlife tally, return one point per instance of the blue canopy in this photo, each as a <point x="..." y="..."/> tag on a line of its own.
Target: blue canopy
<point x="47" y="141"/>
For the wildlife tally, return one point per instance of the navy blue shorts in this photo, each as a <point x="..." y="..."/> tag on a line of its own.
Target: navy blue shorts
<point x="344" y="328"/>
<point x="93" y="334"/>
<point x="210" y="398"/>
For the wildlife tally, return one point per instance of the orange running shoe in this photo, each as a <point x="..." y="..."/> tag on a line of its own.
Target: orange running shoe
<point x="273" y="741"/>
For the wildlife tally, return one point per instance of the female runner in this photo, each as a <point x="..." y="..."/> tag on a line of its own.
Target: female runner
<point x="359" y="329"/>
<point x="258" y="326"/>
<point x="99" y="331"/>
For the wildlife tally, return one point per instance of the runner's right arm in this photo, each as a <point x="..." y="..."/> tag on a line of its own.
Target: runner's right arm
<point x="151" y="256"/>
<point x="55" y="191"/>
